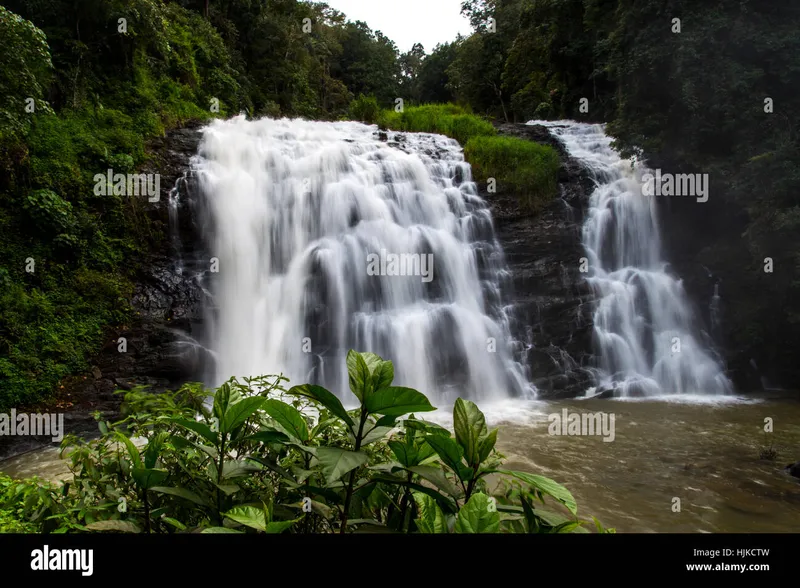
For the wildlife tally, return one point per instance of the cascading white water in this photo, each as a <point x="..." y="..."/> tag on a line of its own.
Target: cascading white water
<point x="646" y="335"/>
<point x="294" y="211"/>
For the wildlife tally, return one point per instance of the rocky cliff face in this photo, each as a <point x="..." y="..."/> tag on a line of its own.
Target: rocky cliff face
<point x="553" y="302"/>
<point x="552" y="299"/>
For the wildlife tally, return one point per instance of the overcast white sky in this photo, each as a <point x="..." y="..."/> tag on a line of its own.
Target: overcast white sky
<point x="408" y="21"/>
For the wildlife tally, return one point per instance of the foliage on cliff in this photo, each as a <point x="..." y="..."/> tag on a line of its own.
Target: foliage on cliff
<point x="83" y="86"/>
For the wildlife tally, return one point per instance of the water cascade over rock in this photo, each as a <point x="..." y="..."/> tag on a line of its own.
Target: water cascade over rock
<point x="322" y="238"/>
<point x="647" y="337"/>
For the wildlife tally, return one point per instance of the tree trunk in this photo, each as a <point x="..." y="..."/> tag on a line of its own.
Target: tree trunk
<point x="499" y="93"/>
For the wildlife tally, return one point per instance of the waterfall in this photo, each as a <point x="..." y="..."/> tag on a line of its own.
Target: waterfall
<point x="322" y="237"/>
<point x="646" y="334"/>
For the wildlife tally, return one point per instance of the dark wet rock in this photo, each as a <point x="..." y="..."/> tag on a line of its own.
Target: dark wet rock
<point x="382" y="136"/>
<point x="553" y="301"/>
<point x="604" y="392"/>
<point x="793" y="469"/>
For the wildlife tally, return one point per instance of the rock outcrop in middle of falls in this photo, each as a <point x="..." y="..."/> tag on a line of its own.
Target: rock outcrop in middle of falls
<point x="554" y="303"/>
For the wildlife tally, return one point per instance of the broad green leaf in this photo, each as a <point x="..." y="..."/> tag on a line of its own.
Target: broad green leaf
<point x="321" y="395"/>
<point x="288" y="417"/>
<point x="478" y="516"/>
<point x="279" y="526"/>
<point x="546" y="486"/>
<point x="600" y="527"/>
<point x="486" y="444"/>
<point x="373" y="361"/>
<point x="239" y="412"/>
<point x="300" y="474"/>
<point x="387" y="421"/>
<point x="382" y="375"/>
<point x="337" y="462"/>
<point x="228" y="489"/>
<point x="133" y="452"/>
<point x="426" y="426"/>
<point x="220" y="530"/>
<point x="174" y="522"/>
<point x="431" y="518"/>
<point x="250" y="516"/>
<point x="358" y="375"/>
<point x="469" y="425"/>
<point x="437" y="477"/>
<point x="200" y="428"/>
<point x="233" y="468"/>
<point x="224" y="397"/>
<point x="118" y="526"/>
<point x="448" y="450"/>
<point x="375" y="434"/>
<point x="397" y="401"/>
<point x="567" y="527"/>
<point x="180" y="493"/>
<point x="147" y="478"/>
<point x="406" y="455"/>
<point x="424" y="451"/>
<point x="179" y="442"/>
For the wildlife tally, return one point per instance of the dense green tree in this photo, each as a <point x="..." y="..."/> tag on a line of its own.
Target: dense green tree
<point x="720" y="98"/>
<point x="122" y="72"/>
<point x="432" y="82"/>
<point x="369" y="63"/>
<point x="410" y="64"/>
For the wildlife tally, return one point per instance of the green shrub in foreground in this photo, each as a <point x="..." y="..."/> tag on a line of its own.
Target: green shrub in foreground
<point x="522" y="167"/>
<point x="270" y="460"/>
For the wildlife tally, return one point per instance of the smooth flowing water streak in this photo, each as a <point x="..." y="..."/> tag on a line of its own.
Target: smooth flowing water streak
<point x="646" y="335"/>
<point x="303" y="219"/>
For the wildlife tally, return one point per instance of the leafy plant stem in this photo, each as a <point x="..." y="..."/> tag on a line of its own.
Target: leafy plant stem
<point x="352" y="481"/>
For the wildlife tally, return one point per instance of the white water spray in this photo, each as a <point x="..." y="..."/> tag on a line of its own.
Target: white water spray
<point x="297" y="210"/>
<point x="645" y="330"/>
